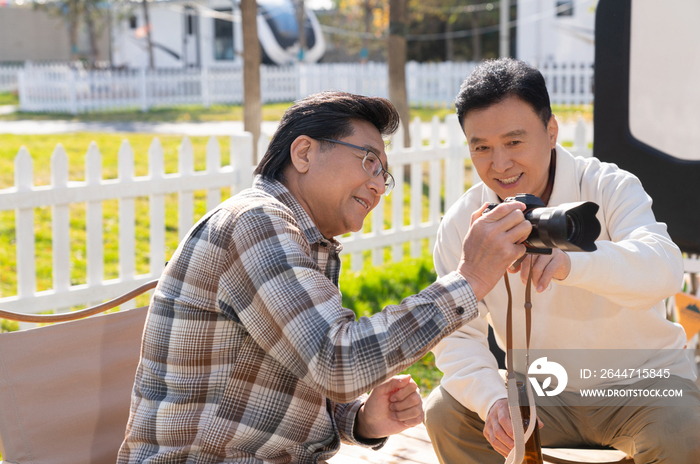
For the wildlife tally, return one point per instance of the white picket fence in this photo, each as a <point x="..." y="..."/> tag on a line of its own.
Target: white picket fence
<point x="441" y="165"/>
<point x="8" y="78"/>
<point x="62" y="88"/>
<point x="569" y="83"/>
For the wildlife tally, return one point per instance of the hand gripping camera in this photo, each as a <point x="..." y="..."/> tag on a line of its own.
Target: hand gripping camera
<point x="569" y="227"/>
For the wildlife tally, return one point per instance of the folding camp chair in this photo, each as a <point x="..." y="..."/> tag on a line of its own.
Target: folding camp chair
<point x="65" y="389"/>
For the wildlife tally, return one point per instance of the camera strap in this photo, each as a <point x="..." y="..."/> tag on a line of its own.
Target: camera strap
<point x="521" y="436"/>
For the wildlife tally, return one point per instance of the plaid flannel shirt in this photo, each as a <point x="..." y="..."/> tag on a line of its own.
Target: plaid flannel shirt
<point x="248" y="355"/>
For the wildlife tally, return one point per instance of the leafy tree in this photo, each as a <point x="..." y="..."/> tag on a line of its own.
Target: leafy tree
<point x="396" y="47"/>
<point x="359" y="29"/>
<point x="252" y="109"/>
<point x="455" y="30"/>
<point x="93" y="14"/>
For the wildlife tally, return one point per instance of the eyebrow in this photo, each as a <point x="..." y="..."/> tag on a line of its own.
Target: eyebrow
<point x="513" y="133"/>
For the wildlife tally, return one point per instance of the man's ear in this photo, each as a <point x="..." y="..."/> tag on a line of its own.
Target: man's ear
<point x="553" y="131"/>
<point x="300" y="152"/>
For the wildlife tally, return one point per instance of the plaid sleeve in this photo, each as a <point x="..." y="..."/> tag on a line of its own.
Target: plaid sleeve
<point x="294" y="312"/>
<point x="345" y="416"/>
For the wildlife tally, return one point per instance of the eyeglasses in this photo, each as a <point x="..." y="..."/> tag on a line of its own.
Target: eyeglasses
<point x="371" y="164"/>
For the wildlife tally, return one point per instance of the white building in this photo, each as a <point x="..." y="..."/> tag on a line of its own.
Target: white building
<point x="203" y="33"/>
<point x="556" y="31"/>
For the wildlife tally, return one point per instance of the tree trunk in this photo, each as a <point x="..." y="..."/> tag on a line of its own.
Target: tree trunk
<point x="299" y="6"/>
<point x="367" y="7"/>
<point x="73" y="16"/>
<point x="449" y="41"/>
<point x="476" y="38"/>
<point x="146" y="19"/>
<point x="397" y="63"/>
<point x="252" y="111"/>
<point x="92" y="34"/>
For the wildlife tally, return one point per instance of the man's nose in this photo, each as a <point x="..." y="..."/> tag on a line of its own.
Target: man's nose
<point x="501" y="160"/>
<point x="377" y="185"/>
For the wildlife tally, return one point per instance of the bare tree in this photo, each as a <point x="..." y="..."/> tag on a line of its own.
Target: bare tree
<point x="476" y="37"/>
<point x="397" y="62"/>
<point x="301" y="19"/>
<point x="71" y="12"/>
<point x="147" y="25"/>
<point x="73" y="16"/>
<point x="368" y="9"/>
<point x="252" y="110"/>
<point x="92" y="16"/>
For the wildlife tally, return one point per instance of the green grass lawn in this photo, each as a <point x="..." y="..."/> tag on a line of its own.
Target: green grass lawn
<point x="270" y="112"/>
<point x="373" y="288"/>
<point x="41" y="148"/>
<point x="7" y="98"/>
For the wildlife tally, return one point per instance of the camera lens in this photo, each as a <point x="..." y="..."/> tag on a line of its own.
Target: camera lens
<point x="571" y="229"/>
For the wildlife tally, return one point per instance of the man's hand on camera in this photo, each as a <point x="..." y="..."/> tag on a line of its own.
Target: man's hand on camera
<point x="493" y="242"/>
<point x="544" y="268"/>
<point x="391" y="408"/>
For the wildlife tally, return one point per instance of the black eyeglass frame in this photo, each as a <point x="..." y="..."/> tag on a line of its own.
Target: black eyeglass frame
<point x="389" y="182"/>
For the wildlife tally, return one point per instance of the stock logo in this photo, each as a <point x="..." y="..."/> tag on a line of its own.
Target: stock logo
<point x="543" y="367"/>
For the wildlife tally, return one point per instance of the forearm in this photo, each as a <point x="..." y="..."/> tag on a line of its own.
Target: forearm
<point x="470" y="371"/>
<point x="358" y="355"/>
<point x="635" y="273"/>
<point x="346" y="418"/>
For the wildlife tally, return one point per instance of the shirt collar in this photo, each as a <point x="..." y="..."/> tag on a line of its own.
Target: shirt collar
<point x="282" y="194"/>
<point x="565" y="179"/>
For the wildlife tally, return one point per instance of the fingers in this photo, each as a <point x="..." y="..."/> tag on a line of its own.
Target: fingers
<point x="477" y="214"/>
<point x="515" y="267"/>
<point x="407" y="387"/>
<point x="410" y="410"/>
<point x="499" y="430"/>
<point x="502" y="210"/>
<point x="508" y="217"/>
<point x="545" y="268"/>
<point x="394" y="384"/>
<point x="407" y="404"/>
<point x="492" y="244"/>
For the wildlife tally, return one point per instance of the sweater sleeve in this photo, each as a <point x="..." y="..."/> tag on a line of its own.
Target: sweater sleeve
<point x="470" y="369"/>
<point x="636" y="264"/>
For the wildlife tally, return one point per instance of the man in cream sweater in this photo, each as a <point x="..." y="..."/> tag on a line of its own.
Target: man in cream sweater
<point x="606" y="306"/>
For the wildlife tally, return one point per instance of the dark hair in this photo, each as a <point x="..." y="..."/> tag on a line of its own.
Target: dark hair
<point x="324" y="115"/>
<point x="494" y="80"/>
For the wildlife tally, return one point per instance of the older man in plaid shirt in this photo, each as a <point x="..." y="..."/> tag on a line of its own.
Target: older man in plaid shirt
<point x="248" y="355"/>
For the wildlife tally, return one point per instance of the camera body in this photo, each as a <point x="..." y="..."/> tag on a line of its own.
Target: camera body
<point x="569" y="227"/>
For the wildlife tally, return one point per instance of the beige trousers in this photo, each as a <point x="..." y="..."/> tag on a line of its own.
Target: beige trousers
<point x="650" y="433"/>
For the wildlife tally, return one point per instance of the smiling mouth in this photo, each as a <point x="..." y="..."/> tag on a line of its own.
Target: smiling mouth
<point x="510" y="180"/>
<point x="362" y="202"/>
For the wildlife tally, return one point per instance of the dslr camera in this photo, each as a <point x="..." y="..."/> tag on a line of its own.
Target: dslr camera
<point x="569" y="227"/>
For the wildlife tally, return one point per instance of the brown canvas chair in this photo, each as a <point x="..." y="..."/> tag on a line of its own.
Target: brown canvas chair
<point x="65" y="389"/>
